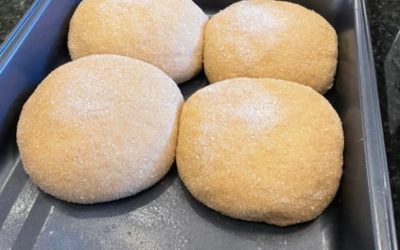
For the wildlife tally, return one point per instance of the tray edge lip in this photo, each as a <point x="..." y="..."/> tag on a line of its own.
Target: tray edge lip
<point x="385" y="235"/>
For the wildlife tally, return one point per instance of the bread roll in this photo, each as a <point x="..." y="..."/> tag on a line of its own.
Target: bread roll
<point x="261" y="150"/>
<point x="274" y="39"/>
<point x="100" y="128"/>
<point x="168" y="34"/>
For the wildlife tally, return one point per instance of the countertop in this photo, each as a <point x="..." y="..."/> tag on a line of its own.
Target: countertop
<point x="384" y="20"/>
<point x="10" y="13"/>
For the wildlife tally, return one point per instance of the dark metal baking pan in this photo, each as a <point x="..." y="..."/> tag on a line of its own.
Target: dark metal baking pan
<point x="166" y="216"/>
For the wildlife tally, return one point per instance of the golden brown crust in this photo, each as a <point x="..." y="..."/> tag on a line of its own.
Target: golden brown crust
<point x="100" y="128"/>
<point x="167" y="34"/>
<point x="261" y="150"/>
<point x="272" y="39"/>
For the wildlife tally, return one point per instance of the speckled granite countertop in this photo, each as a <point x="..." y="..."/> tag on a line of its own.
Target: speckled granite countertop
<point x="384" y="19"/>
<point x="10" y="12"/>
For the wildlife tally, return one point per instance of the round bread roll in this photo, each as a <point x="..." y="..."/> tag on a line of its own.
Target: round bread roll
<point x="168" y="34"/>
<point x="274" y="39"/>
<point x="100" y="128"/>
<point x="261" y="150"/>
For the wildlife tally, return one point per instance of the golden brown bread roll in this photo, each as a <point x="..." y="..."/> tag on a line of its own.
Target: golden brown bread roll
<point x="261" y="150"/>
<point x="168" y="34"/>
<point x="274" y="39"/>
<point x="100" y="128"/>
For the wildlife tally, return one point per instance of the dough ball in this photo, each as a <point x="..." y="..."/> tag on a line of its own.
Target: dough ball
<point x="274" y="39"/>
<point x="168" y="34"/>
<point x="261" y="150"/>
<point x="100" y="128"/>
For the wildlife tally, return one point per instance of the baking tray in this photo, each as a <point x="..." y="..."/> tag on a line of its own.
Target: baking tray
<point x="166" y="216"/>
